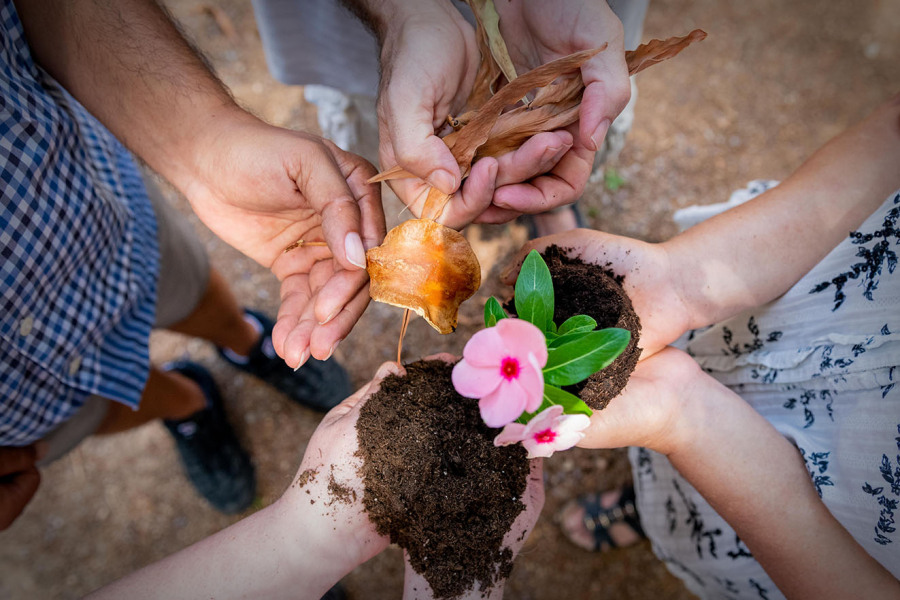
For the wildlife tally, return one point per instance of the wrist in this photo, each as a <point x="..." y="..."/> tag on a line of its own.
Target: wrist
<point x="193" y="168"/>
<point x="319" y="554"/>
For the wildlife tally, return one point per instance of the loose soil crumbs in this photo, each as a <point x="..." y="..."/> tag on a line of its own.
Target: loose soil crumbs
<point x="340" y="492"/>
<point x="587" y="289"/>
<point x="306" y="476"/>
<point x="434" y="481"/>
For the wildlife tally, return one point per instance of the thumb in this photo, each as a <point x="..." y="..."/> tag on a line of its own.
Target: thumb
<point x="607" y="91"/>
<point x="414" y="144"/>
<point x="323" y="185"/>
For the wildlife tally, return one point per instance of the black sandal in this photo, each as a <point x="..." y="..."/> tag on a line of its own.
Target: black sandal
<point x="598" y="519"/>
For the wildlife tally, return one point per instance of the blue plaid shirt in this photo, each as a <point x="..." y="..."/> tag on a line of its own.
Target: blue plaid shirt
<point x="78" y="253"/>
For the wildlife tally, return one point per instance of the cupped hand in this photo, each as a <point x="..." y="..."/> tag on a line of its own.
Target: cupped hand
<point x="415" y="587"/>
<point x="429" y="61"/>
<point x="654" y="410"/>
<point x="261" y="188"/>
<point x="19" y="480"/>
<point x="330" y="462"/>
<point x="651" y="280"/>
<point x="539" y="31"/>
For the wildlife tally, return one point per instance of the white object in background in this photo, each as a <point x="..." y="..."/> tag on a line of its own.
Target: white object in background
<point x="337" y="119"/>
<point x="691" y="215"/>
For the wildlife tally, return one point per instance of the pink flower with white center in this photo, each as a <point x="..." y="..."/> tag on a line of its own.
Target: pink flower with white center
<point x="502" y="365"/>
<point x="546" y="433"/>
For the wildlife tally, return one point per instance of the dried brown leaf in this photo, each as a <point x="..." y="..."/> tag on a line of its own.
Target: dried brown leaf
<point x="427" y="268"/>
<point x="656" y="51"/>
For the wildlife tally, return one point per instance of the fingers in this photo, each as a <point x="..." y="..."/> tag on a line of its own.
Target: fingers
<point x="444" y="356"/>
<point x="356" y="400"/>
<point x="409" y="119"/>
<point x="15" y="493"/>
<point x="322" y="182"/>
<point x="563" y="184"/>
<point x="607" y="91"/>
<point x="535" y="157"/>
<point x="14" y="460"/>
<point x="324" y="339"/>
<point x="474" y="197"/>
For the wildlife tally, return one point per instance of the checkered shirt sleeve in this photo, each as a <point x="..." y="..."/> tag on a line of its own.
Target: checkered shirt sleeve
<point x="78" y="253"/>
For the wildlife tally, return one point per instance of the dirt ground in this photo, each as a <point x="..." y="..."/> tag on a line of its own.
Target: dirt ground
<point x="773" y="82"/>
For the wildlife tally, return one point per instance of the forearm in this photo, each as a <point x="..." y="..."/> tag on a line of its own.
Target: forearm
<point x="279" y="552"/>
<point x="754" y="253"/>
<point x="757" y="481"/>
<point x="128" y="65"/>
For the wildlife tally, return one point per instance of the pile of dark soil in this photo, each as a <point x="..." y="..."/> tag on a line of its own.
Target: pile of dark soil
<point x="434" y="481"/>
<point x="586" y="289"/>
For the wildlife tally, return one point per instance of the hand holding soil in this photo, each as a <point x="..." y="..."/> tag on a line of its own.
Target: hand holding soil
<point x="329" y="482"/>
<point x="649" y="278"/>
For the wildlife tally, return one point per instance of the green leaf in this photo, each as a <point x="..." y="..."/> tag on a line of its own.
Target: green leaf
<point x="577" y="324"/>
<point x="534" y="281"/>
<point x="572" y="404"/>
<point x="532" y="310"/>
<point x="493" y="312"/>
<point x="576" y="361"/>
<point x="559" y="340"/>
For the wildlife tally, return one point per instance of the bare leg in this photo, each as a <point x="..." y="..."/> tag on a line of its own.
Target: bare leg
<point x="167" y="395"/>
<point x="219" y="319"/>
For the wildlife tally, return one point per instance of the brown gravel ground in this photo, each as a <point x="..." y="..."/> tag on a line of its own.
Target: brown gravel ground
<point x="773" y="82"/>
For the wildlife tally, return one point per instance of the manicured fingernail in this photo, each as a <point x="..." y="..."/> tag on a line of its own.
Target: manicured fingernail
<point x="443" y="181"/>
<point x="600" y="133"/>
<point x="353" y="247"/>
<point x="303" y="358"/>
<point x="331" y="316"/>
<point x="40" y="449"/>
<point x="333" y="348"/>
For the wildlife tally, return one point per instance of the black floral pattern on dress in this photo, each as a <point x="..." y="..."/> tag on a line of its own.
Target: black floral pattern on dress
<point x="736" y="349"/>
<point x="806" y="399"/>
<point x="645" y="464"/>
<point x="874" y="259"/>
<point x="763" y="592"/>
<point x="884" y="528"/>
<point x="817" y="465"/>
<point x="740" y="549"/>
<point x="699" y="532"/>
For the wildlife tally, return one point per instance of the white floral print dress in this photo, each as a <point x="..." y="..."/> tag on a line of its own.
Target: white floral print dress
<point x="822" y="364"/>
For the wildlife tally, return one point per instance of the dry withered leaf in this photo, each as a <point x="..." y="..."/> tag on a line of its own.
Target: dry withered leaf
<point x="495" y="58"/>
<point x="555" y="106"/>
<point x="425" y="267"/>
<point x="656" y="51"/>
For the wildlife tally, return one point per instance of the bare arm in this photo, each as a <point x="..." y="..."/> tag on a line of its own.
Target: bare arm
<point x="754" y="253"/>
<point x="757" y="481"/>
<point x="130" y="67"/>
<point x="749" y="473"/>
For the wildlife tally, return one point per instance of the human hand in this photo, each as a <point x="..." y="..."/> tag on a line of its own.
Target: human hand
<point x="415" y="587"/>
<point x="651" y="280"/>
<point x="19" y="480"/>
<point x="330" y="461"/>
<point x="539" y="31"/>
<point x="656" y="410"/>
<point x="261" y="188"/>
<point x="429" y="61"/>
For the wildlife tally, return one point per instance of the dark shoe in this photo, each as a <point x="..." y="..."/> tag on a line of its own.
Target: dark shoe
<point x="320" y="385"/>
<point x="210" y="452"/>
<point x="335" y="593"/>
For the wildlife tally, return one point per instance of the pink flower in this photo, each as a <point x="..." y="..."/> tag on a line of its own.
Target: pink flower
<point x="502" y="365"/>
<point x="548" y="431"/>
